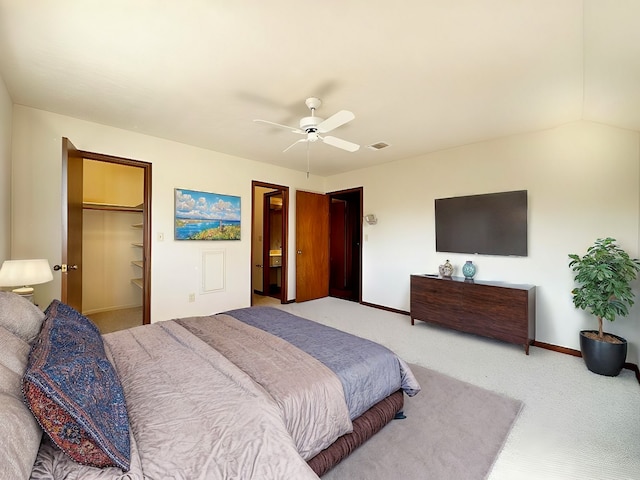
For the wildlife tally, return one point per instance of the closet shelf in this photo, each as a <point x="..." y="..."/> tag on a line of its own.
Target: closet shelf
<point x="137" y="282"/>
<point x="137" y="225"/>
<point x="138" y="263"/>
<point x="110" y="206"/>
<point x="137" y="244"/>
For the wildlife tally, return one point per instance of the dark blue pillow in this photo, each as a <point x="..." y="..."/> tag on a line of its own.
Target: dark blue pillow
<point x="74" y="391"/>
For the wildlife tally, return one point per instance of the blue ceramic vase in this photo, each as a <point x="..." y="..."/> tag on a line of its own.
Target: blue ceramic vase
<point x="468" y="269"/>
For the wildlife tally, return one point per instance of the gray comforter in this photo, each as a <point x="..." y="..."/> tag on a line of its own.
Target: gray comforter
<point x="207" y="399"/>
<point x="309" y="395"/>
<point x="368" y="371"/>
<point x="193" y="415"/>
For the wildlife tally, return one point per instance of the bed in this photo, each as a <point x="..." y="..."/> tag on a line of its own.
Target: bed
<point x="249" y="393"/>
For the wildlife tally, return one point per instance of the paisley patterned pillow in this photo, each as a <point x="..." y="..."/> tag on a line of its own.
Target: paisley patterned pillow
<point x="74" y="392"/>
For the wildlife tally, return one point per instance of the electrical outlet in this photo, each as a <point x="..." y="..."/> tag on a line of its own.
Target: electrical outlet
<point x="192" y="297"/>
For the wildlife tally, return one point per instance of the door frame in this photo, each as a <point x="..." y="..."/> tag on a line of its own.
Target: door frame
<point x="146" y="213"/>
<point x="284" y="190"/>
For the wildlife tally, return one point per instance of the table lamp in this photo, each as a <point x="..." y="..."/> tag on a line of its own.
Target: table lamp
<point x="23" y="274"/>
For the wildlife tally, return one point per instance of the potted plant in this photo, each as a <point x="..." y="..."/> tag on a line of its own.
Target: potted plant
<point x="604" y="275"/>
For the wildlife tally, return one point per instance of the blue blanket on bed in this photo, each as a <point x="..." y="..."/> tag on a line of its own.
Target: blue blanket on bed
<point x="368" y="371"/>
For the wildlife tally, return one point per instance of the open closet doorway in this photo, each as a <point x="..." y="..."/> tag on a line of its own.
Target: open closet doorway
<point x="106" y="247"/>
<point x="269" y="235"/>
<point x="345" y="244"/>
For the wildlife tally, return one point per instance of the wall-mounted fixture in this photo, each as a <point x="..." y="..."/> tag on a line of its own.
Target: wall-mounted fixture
<point x="23" y="274"/>
<point x="371" y="219"/>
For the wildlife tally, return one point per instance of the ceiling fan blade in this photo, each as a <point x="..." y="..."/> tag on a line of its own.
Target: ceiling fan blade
<point x="294" y="143"/>
<point x="343" y="144"/>
<point x="293" y="129"/>
<point x="336" y="120"/>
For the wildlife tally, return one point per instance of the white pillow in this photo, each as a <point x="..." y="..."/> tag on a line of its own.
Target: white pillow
<point x="20" y="316"/>
<point x="14" y="351"/>
<point x="20" y="433"/>
<point x="10" y="382"/>
<point x="20" y="437"/>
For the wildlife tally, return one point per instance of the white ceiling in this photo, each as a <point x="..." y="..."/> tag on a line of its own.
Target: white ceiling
<point x="421" y="75"/>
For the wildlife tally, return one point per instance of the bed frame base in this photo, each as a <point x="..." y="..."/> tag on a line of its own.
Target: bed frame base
<point x="364" y="427"/>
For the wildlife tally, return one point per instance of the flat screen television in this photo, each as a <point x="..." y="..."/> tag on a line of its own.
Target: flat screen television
<point x="489" y="224"/>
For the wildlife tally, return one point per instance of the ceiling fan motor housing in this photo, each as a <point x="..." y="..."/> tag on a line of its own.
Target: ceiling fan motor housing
<point x="310" y="124"/>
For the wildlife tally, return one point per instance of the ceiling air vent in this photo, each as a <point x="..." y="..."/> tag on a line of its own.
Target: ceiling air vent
<point x="378" y="146"/>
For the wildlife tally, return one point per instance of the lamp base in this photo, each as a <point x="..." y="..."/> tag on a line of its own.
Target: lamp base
<point x="24" y="292"/>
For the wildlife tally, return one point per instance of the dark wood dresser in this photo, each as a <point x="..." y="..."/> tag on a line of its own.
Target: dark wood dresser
<point x="492" y="309"/>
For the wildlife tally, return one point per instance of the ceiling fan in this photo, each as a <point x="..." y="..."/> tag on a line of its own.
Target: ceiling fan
<point x="314" y="126"/>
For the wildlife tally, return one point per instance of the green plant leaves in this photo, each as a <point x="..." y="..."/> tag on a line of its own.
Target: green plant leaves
<point x="604" y="275"/>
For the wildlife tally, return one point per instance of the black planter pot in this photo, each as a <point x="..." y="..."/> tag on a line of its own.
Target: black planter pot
<point x="603" y="358"/>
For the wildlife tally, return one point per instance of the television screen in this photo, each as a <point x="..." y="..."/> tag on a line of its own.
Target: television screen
<point x="489" y="224"/>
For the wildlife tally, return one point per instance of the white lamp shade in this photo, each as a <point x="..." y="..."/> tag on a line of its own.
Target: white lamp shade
<point x="18" y="273"/>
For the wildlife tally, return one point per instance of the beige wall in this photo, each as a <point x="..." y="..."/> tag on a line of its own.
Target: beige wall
<point x="176" y="267"/>
<point x="6" y="109"/>
<point x="583" y="182"/>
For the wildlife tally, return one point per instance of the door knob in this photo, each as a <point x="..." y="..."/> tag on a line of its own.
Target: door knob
<point x="64" y="267"/>
<point x="299" y="252"/>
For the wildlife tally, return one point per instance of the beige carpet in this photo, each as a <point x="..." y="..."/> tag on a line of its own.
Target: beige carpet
<point x="453" y="430"/>
<point x="119" y="319"/>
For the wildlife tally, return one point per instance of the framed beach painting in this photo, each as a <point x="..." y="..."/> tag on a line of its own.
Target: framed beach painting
<point x="206" y="216"/>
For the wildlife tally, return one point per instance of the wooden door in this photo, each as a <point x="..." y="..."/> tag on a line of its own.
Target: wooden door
<point x="71" y="272"/>
<point x="312" y="246"/>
